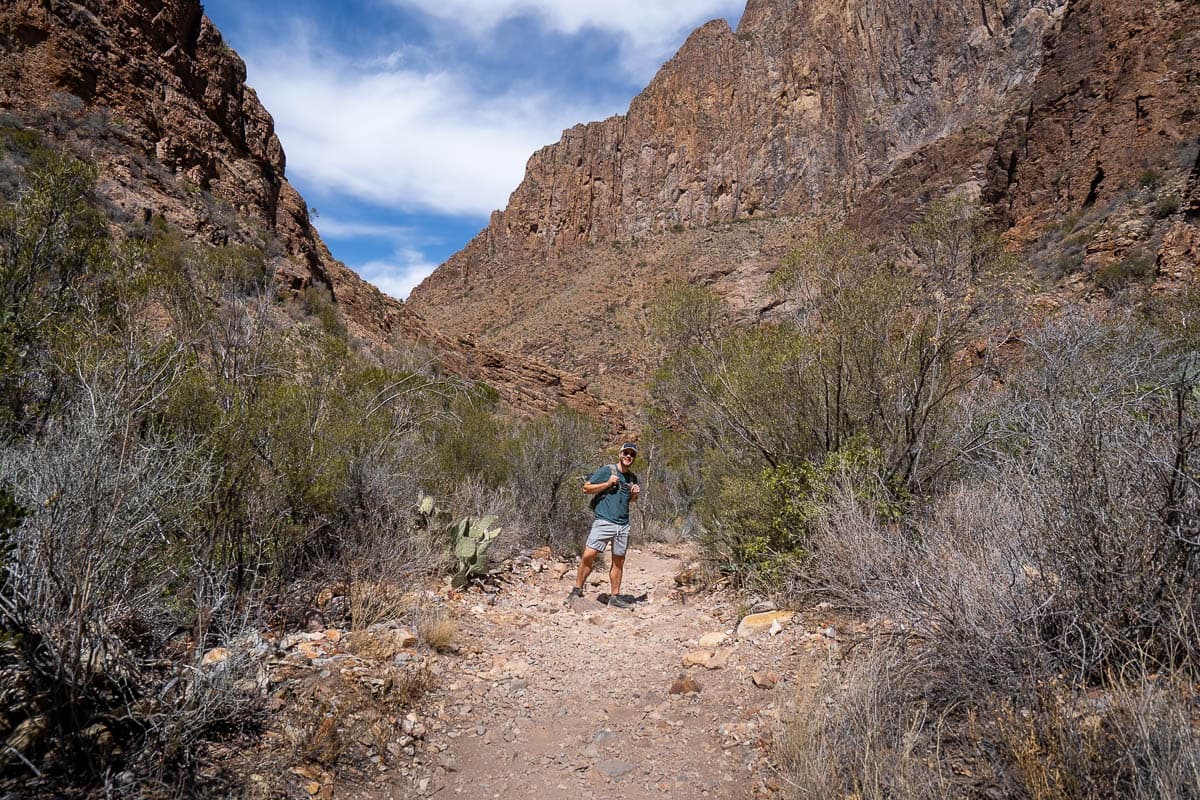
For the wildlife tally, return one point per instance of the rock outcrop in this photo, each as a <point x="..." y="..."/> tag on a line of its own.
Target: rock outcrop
<point x="1114" y="105"/>
<point x="149" y="90"/>
<point x="814" y="112"/>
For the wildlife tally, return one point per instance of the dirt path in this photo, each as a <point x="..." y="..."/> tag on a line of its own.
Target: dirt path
<point x="550" y="700"/>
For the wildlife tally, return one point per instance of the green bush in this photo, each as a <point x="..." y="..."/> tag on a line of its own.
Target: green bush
<point x="155" y="481"/>
<point x="873" y="360"/>
<point x="54" y="256"/>
<point x="1038" y="619"/>
<point x="1135" y="267"/>
<point x="547" y="455"/>
<point x="468" y="442"/>
<point x="760" y="527"/>
<point x="1166" y="206"/>
<point x="318" y="303"/>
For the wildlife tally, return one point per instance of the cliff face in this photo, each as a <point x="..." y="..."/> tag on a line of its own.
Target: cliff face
<point x="149" y="90"/>
<point x="796" y="114"/>
<point x="1118" y="96"/>
<point x="814" y="112"/>
<point x="804" y="107"/>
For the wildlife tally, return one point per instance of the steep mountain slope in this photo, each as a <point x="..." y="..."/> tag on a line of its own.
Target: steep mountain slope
<point x="149" y="90"/>
<point x="813" y="112"/>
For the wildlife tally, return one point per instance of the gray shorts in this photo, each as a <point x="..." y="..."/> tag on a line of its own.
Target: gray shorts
<point x="604" y="532"/>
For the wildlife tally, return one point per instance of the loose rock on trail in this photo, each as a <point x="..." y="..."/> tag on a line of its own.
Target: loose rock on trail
<point x="547" y="698"/>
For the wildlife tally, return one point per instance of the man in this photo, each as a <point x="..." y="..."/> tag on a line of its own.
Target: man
<point x="613" y="490"/>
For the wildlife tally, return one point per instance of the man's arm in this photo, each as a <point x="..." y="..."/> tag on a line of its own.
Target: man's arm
<point x="602" y="486"/>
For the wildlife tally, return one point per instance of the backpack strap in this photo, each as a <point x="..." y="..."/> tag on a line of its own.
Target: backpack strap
<point x="596" y="497"/>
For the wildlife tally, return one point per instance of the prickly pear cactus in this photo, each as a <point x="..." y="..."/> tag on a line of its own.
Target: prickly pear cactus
<point x="472" y="536"/>
<point x="429" y="516"/>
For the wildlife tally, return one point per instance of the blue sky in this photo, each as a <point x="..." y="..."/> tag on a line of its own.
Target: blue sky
<point x="407" y="122"/>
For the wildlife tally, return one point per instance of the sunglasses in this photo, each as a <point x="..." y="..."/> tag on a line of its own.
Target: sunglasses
<point x="628" y="455"/>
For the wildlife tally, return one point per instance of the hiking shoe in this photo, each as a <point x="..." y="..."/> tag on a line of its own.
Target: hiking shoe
<point x="575" y="592"/>
<point x="615" y="601"/>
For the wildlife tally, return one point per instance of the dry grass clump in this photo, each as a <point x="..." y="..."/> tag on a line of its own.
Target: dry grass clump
<point x="863" y="732"/>
<point x="372" y="601"/>
<point x="438" y="631"/>
<point x="1134" y="739"/>
<point x="436" y="627"/>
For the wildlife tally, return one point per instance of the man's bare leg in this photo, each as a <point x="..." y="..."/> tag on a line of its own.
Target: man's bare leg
<point x="585" y="567"/>
<point x="615" y="571"/>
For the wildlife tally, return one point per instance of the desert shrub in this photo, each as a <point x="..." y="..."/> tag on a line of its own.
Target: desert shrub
<point x="162" y="490"/>
<point x="1166" y="206"/>
<point x="957" y="245"/>
<point x="468" y="441"/>
<point x="761" y="526"/>
<point x="869" y="729"/>
<point x="318" y="303"/>
<point x="1076" y="528"/>
<point x="1132" y="740"/>
<point x="672" y="485"/>
<point x="548" y="456"/>
<point x="1046" y="604"/>
<point x="864" y="731"/>
<point x="873" y="359"/>
<point x="54" y="250"/>
<point x="85" y="594"/>
<point x="1115" y="497"/>
<point x="1135" y="267"/>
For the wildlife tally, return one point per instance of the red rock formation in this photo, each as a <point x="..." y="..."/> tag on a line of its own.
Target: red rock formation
<point x="796" y="114"/>
<point x="1116" y="100"/>
<point x="814" y="112"/>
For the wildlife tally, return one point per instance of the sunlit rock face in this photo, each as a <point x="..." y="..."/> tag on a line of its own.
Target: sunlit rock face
<point x="810" y="112"/>
<point x="799" y="113"/>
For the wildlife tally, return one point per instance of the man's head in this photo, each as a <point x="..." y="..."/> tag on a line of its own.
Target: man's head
<point x="628" y="452"/>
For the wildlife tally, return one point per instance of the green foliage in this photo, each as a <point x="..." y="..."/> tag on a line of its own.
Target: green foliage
<point x="1166" y="206"/>
<point x="545" y="456"/>
<point x="872" y="361"/>
<point x="318" y="302"/>
<point x="11" y="516"/>
<point x="11" y="512"/>
<point x="159" y="475"/>
<point x="1135" y="267"/>
<point x="469" y="441"/>
<point x="54" y="257"/>
<point x="958" y="245"/>
<point x="686" y="316"/>
<point x="24" y="142"/>
<point x="761" y="524"/>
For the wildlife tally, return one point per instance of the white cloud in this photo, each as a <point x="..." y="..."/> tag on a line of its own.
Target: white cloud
<point x="640" y="22"/>
<point x="396" y="276"/>
<point x="401" y="138"/>
<point x="336" y="228"/>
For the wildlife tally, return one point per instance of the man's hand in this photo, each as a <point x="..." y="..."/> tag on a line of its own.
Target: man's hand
<point x="613" y="480"/>
<point x="634" y="491"/>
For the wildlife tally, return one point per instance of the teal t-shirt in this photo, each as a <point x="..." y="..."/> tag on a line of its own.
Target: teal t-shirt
<point x="613" y="504"/>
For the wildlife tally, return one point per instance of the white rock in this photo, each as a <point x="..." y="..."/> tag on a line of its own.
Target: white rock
<point x="758" y="623"/>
